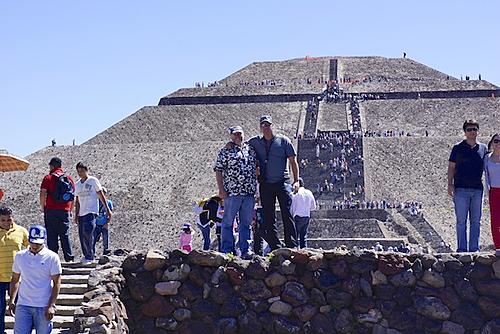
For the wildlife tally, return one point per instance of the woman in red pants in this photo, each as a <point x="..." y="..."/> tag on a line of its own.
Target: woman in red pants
<point x="492" y="172"/>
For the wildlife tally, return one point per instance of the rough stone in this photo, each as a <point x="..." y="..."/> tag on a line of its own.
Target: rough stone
<point x="324" y="279"/>
<point x="491" y="327"/>
<point x="344" y="322"/>
<point x="468" y="316"/>
<point x="255" y="290"/>
<point x="433" y="278"/>
<point x="390" y="264"/>
<point x="365" y="287"/>
<point x="202" y="308"/>
<point x="465" y="290"/>
<point x="176" y="273"/>
<point x="338" y="299"/>
<point x="450" y="327"/>
<point x="190" y="291"/>
<point x="141" y="286"/>
<point x="275" y="279"/>
<point x="384" y="291"/>
<point x="287" y="267"/>
<point x="339" y="268"/>
<point x="489" y="288"/>
<point x="305" y="312"/>
<point x="235" y="275"/>
<point x="321" y="323"/>
<point x="133" y="261"/>
<point x="489" y="306"/>
<point x="295" y="294"/>
<point x="167" y="288"/>
<point x="249" y="323"/>
<point x="318" y="297"/>
<point x="258" y="268"/>
<point x="157" y="306"/>
<point x="403" y="320"/>
<point x="233" y="307"/>
<point x="450" y="298"/>
<point x="478" y="271"/>
<point x="378" y="278"/>
<point x="300" y="256"/>
<point x="226" y="326"/>
<point x="405" y="278"/>
<point x="363" y="304"/>
<point x="207" y="258"/>
<point x="486" y="259"/>
<point x="372" y="317"/>
<point x="167" y="323"/>
<point x="352" y="286"/>
<point x="432" y="307"/>
<point x="154" y="260"/>
<point x="286" y="253"/>
<point x="283" y="325"/>
<point x="282" y="308"/>
<point x="316" y="261"/>
<point x="182" y="314"/>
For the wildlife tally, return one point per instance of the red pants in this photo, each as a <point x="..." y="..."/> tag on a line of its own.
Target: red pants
<point x="495" y="215"/>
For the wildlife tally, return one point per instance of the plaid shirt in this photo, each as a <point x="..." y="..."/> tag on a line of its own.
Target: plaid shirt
<point x="238" y="166"/>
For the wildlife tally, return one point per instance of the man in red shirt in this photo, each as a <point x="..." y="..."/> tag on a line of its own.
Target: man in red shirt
<point x="56" y="212"/>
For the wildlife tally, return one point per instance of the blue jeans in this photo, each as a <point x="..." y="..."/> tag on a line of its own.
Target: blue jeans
<point x="102" y="230"/>
<point x="27" y="317"/>
<point x="242" y="204"/>
<point x="86" y="227"/>
<point x="301" y="224"/>
<point x="205" y="232"/>
<point x="4" y="287"/>
<point x="468" y="202"/>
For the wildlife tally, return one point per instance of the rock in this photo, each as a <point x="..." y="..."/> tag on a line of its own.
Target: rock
<point x="321" y="323"/>
<point x="362" y="267"/>
<point x="324" y="279"/>
<point x="405" y="278"/>
<point x="255" y="290"/>
<point x="133" y="261"/>
<point x="339" y="268"/>
<point x="390" y="264"/>
<point x="429" y="325"/>
<point x="207" y="258"/>
<point x="433" y="278"/>
<point x="363" y="304"/>
<point x="154" y="260"/>
<point x="179" y="301"/>
<point x="438" y="266"/>
<point x="167" y="288"/>
<point x="283" y="325"/>
<point x="465" y="258"/>
<point x="379" y="329"/>
<point x="489" y="288"/>
<point x="318" y="297"/>
<point x="372" y="317"/>
<point x="287" y="267"/>
<point x="450" y="298"/>
<point x="351" y="286"/>
<point x="218" y="275"/>
<point x="378" y="278"/>
<point x="450" y="262"/>
<point x="308" y="280"/>
<point x="235" y="275"/>
<point x="286" y="253"/>
<point x="226" y="326"/>
<point x="176" y="273"/>
<point x="141" y="286"/>
<point x="203" y="307"/>
<point x="428" y="261"/>
<point x="190" y="291"/>
<point x="282" y="308"/>
<point x="338" y="299"/>
<point x="295" y="294"/>
<point x="194" y="326"/>
<point x="403" y="320"/>
<point x="299" y="256"/>
<point x="489" y="306"/>
<point x="465" y="290"/>
<point x="325" y="309"/>
<point x="491" y="327"/>
<point x="305" y="312"/>
<point x="273" y="299"/>
<point x="478" y="271"/>
<point x="365" y="287"/>
<point x="316" y="261"/>
<point x="275" y="279"/>
<point x="432" y="307"/>
<point x="450" y="327"/>
<point x="344" y="322"/>
<point x="486" y="259"/>
<point x="157" y="306"/>
<point x="403" y="296"/>
<point x="220" y="294"/>
<point x="259" y="306"/>
<point x="233" y="307"/>
<point x="182" y="314"/>
<point x="417" y="267"/>
<point x="258" y="268"/>
<point x="167" y="323"/>
<point x="249" y="323"/>
<point x="468" y="315"/>
<point x="200" y="275"/>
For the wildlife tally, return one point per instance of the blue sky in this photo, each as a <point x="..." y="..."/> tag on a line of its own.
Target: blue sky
<point x="71" y="69"/>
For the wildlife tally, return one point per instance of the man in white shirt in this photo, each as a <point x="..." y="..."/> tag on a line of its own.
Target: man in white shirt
<point x="88" y="192"/>
<point x="303" y="203"/>
<point x="36" y="280"/>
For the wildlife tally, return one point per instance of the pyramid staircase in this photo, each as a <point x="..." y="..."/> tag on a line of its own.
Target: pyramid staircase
<point x="73" y="287"/>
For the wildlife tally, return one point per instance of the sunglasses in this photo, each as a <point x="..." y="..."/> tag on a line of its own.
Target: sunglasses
<point x="496" y="141"/>
<point x="471" y="129"/>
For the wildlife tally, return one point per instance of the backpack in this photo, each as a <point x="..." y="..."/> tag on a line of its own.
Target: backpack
<point x="65" y="190"/>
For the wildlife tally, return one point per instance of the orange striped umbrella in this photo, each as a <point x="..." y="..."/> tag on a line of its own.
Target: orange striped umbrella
<point x="11" y="163"/>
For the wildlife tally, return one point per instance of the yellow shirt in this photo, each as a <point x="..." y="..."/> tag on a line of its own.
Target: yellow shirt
<point x="11" y="241"/>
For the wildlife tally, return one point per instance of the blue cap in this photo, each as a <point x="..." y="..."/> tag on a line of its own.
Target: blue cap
<point x="37" y="234"/>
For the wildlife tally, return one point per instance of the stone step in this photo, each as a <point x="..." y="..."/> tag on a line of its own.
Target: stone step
<point x="74" y="279"/>
<point x="58" y="322"/>
<point x="330" y="243"/>
<point x="54" y="331"/>
<point x="73" y="288"/>
<point x="62" y="310"/>
<point x="69" y="300"/>
<point x="78" y="265"/>
<point x="77" y="271"/>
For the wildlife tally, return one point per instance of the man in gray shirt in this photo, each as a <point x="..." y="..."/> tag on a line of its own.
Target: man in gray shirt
<point x="274" y="153"/>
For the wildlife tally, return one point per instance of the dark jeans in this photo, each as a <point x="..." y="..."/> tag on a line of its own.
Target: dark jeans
<point x="302" y="224"/>
<point x="102" y="230"/>
<point x="86" y="227"/>
<point x="257" y="233"/>
<point x="205" y="232"/>
<point x="269" y="192"/>
<point x="57" y="223"/>
<point x="4" y="287"/>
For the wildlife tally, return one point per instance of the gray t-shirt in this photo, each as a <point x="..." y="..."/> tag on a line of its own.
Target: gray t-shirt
<point x="492" y="172"/>
<point x="273" y="156"/>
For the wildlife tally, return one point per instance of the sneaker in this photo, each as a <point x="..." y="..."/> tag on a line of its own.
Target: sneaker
<point x="85" y="261"/>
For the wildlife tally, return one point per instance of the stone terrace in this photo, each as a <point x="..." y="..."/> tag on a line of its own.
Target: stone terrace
<point x="441" y="117"/>
<point x="357" y="68"/>
<point x="294" y="70"/>
<point x="332" y="117"/>
<point x="414" y="169"/>
<point x="418" y="86"/>
<point x="248" y="90"/>
<point x="199" y="123"/>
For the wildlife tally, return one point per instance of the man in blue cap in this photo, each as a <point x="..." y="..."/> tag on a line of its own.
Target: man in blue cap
<point x="37" y="291"/>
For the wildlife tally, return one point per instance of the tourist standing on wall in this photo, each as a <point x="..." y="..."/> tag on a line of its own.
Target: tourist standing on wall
<point x="87" y="195"/>
<point x="465" y="171"/>
<point x="235" y="172"/>
<point x="303" y="203"/>
<point x="12" y="239"/>
<point x="275" y="152"/>
<point x="492" y="173"/>
<point x="56" y="201"/>
<point x="35" y="284"/>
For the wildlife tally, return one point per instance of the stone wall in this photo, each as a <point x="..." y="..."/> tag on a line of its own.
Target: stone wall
<point x="305" y="291"/>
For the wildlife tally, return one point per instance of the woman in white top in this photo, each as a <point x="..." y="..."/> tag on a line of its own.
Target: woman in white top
<point x="492" y="173"/>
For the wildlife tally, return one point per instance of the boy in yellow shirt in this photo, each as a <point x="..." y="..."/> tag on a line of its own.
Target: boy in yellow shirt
<point x="12" y="239"/>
